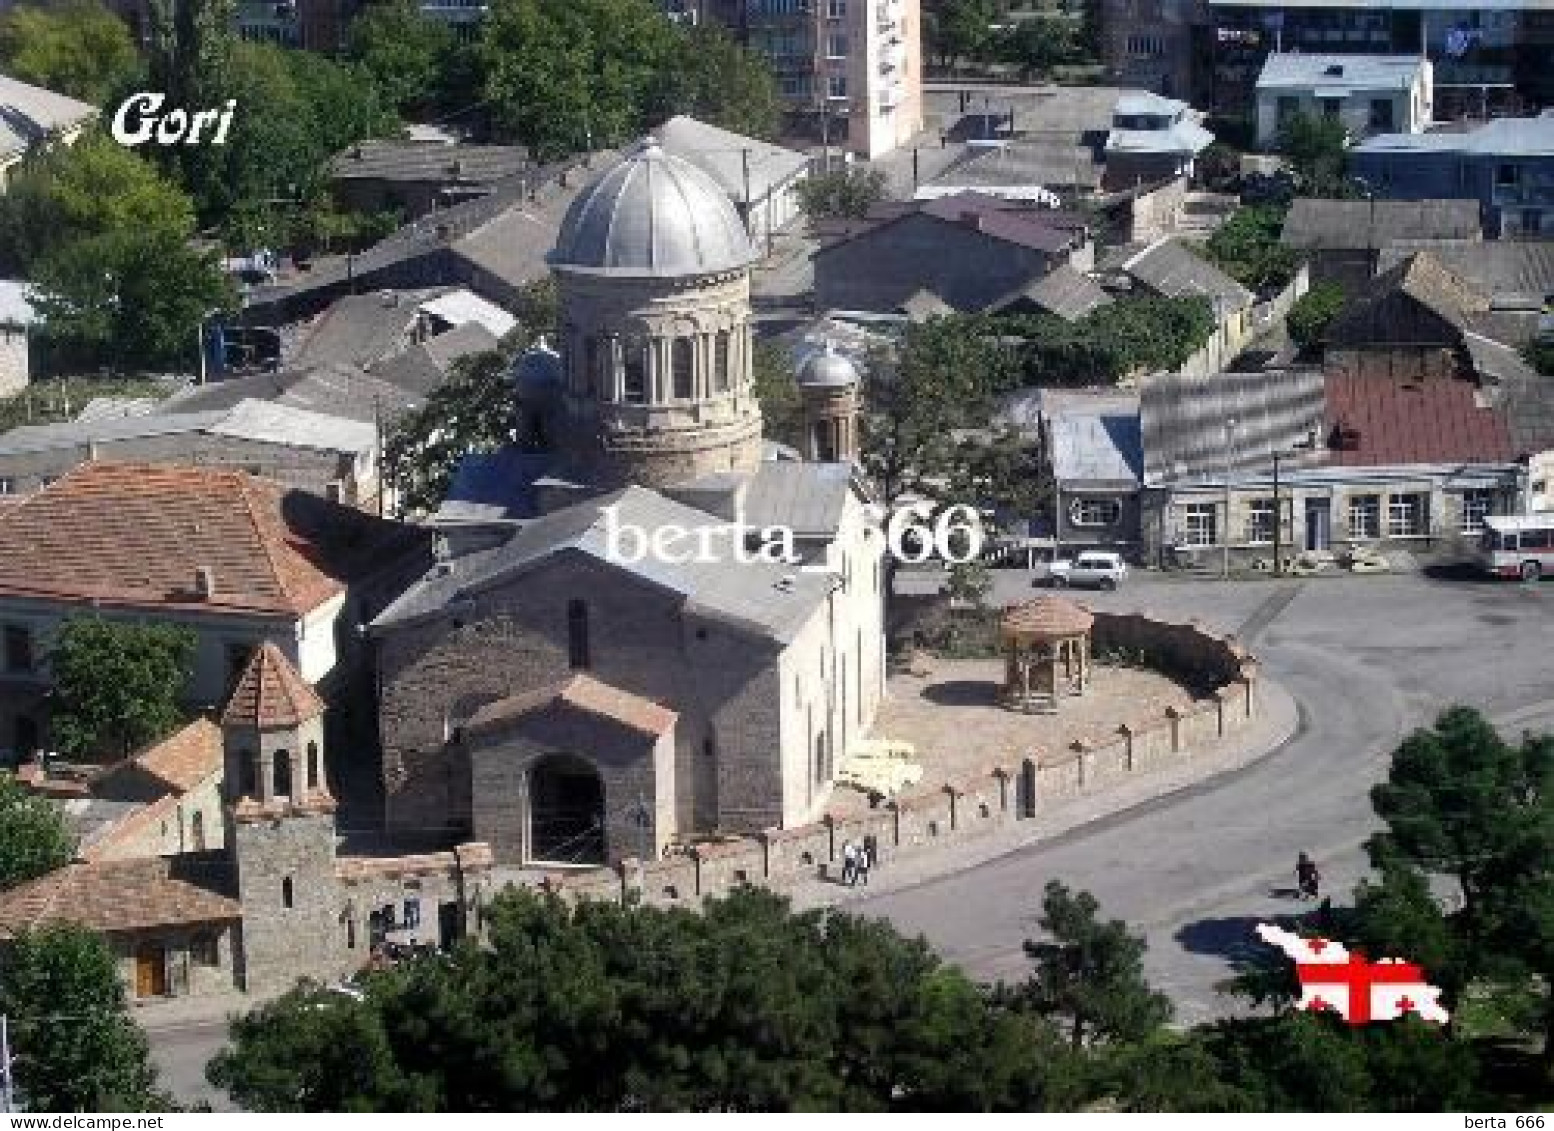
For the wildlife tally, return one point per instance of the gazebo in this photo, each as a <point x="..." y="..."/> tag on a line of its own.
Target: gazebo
<point x="1046" y="649"/>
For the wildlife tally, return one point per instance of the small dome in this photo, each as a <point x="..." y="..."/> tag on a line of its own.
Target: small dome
<point x="827" y="369"/>
<point x="1046" y="618"/>
<point x="537" y="366"/>
<point x="653" y="215"/>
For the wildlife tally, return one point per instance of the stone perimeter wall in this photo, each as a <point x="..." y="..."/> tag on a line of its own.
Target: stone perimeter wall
<point x="935" y="815"/>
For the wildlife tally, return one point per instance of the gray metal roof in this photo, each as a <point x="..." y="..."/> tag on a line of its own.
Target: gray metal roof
<point x="1508" y="137"/>
<point x="807" y="498"/>
<point x="1187" y="422"/>
<point x="770" y="601"/>
<point x="428" y="161"/>
<point x="1516" y="273"/>
<point x="1295" y="71"/>
<point x="1168" y="267"/>
<point x="827" y="369"/>
<point x="739" y="164"/>
<point x="1063" y="291"/>
<point x="362" y="329"/>
<point x="655" y="215"/>
<point x="1100" y="447"/>
<point x="29" y="114"/>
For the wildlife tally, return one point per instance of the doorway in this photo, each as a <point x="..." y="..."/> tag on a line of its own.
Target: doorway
<point x="151" y="971"/>
<point x="1319" y="523"/>
<point x="566" y="811"/>
<point x="449" y="925"/>
<point x="1025" y="794"/>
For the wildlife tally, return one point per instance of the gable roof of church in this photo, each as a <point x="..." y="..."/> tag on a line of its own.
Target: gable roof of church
<point x="769" y="600"/>
<point x="582" y="693"/>
<point x="270" y="694"/>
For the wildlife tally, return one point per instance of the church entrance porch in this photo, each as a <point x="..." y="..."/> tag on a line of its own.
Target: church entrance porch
<point x="566" y="812"/>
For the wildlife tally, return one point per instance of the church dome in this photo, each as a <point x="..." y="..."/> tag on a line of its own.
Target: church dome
<point x="653" y="215"/>
<point x="537" y="367"/>
<point x="827" y="369"/>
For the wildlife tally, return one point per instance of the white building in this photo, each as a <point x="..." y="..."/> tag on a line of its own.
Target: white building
<point x="1368" y="93"/>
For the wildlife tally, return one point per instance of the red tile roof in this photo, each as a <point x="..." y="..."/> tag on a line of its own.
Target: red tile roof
<point x="270" y="694"/>
<point x="1436" y="421"/>
<point x="583" y="693"/>
<point x="125" y="895"/>
<point x="180" y="761"/>
<point x="137" y="534"/>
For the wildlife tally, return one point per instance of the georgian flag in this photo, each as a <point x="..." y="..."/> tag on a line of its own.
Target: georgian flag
<point x="1358" y="990"/>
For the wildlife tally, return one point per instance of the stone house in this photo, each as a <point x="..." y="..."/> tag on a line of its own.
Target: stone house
<point x="275" y="899"/>
<point x="239" y="560"/>
<point x="970" y="250"/>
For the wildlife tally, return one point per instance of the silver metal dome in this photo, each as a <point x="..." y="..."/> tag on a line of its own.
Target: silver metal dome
<point x="827" y="369"/>
<point x="653" y="215"/>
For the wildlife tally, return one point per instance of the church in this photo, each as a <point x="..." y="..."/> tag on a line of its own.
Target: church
<point x="566" y="702"/>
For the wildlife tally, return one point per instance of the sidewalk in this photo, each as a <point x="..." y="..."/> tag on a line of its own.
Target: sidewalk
<point x="1277" y="723"/>
<point x="194" y="1011"/>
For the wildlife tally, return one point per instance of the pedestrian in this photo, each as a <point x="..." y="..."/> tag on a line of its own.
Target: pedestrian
<point x="871" y="845"/>
<point x="1307" y="877"/>
<point x="865" y="860"/>
<point x="849" y="864"/>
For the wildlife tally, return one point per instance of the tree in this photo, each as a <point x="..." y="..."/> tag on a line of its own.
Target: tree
<point x="777" y="390"/>
<point x="117" y="684"/>
<point x="1004" y="471"/>
<point x="1248" y="247"/>
<point x="34" y="838"/>
<point x="970" y="583"/>
<point x="93" y="188"/>
<point x="1091" y="973"/>
<point x="963" y="29"/>
<point x="1038" y="44"/>
<point x="473" y="411"/>
<point x="713" y="78"/>
<point x="842" y="194"/>
<point x="744" y="1006"/>
<point x="1318" y="148"/>
<point x="133" y="299"/>
<point x="404" y="51"/>
<point x="1313" y="312"/>
<point x="75" y="1046"/>
<point x="77" y="48"/>
<point x="1540" y="355"/>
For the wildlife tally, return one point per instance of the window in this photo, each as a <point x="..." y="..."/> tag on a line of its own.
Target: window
<point x="248" y="773"/>
<point x="18" y="648"/>
<point x="836" y="86"/>
<point x="412" y="914"/>
<point x="312" y="765"/>
<point x="205" y="949"/>
<point x="197" y="831"/>
<point x="836" y="9"/>
<point x="1288" y="108"/>
<point x="635" y="373"/>
<point x="1202" y="524"/>
<point x="1331" y="108"/>
<point x="1364" y="516"/>
<point x="6" y="486"/>
<point x="682" y="358"/>
<point x="709" y="747"/>
<point x="1381" y="114"/>
<point x="350" y="932"/>
<point x="1476" y="504"/>
<point x="1406" y="515"/>
<point x="1532" y="220"/>
<point x="1095" y="512"/>
<point x="720" y="361"/>
<point x="1259" y="521"/>
<point x="836" y="46"/>
<point x="282" y="773"/>
<point x="1507" y="176"/>
<point x="577" y="634"/>
<point x="287" y="893"/>
<point x="1146" y="46"/>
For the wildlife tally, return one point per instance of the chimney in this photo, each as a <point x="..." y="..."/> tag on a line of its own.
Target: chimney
<point x="205" y="583"/>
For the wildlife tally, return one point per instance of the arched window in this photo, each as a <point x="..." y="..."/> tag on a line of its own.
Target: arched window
<point x="282" y="773"/>
<point x="682" y="355"/>
<point x="286" y="892"/>
<point x="247" y="774"/>
<point x="720" y="361"/>
<point x="197" y="831"/>
<point x="577" y="634"/>
<point x="312" y="765"/>
<point x="634" y="372"/>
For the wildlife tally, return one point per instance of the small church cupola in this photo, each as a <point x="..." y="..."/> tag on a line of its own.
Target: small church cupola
<point x="828" y="388"/>
<point x="538" y="377"/>
<point x="273" y="741"/>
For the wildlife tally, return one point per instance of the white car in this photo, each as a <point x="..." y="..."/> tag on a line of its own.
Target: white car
<point x="1093" y="568"/>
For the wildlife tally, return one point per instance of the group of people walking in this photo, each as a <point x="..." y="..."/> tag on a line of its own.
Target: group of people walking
<point x="857" y="859"/>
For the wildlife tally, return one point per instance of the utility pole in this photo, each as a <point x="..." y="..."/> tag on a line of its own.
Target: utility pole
<point x="744" y="169"/>
<point x="914" y="168"/>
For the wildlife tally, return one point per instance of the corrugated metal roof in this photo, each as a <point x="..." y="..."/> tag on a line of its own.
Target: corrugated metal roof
<point x="428" y="161"/>
<point x="1401" y="422"/>
<point x="807" y="498"/>
<point x="1365" y="224"/>
<point x="248" y="419"/>
<point x="1097" y="447"/>
<point x="29" y="114"/>
<point x="1168" y="267"/>
<point x="1187" y="422"/>
<point x="1520" y="137"/>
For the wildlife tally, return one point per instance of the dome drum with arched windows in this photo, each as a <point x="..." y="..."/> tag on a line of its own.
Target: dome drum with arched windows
<point x="273" y="741"/>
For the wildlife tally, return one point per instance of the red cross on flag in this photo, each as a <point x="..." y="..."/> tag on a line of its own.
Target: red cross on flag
<point x="1358" y="990"/>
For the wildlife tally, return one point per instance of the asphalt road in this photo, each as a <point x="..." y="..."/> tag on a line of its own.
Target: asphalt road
<point x="1368" y="659"/>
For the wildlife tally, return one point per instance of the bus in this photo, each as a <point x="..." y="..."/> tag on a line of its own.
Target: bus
<point x="1518" y="546"/>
